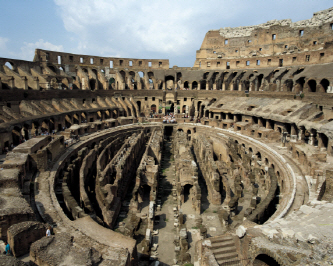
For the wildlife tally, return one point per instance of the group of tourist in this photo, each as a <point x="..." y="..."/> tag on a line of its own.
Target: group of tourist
<point x="169" y="118"/>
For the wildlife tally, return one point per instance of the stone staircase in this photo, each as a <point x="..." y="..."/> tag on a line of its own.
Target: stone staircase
<point x="224" y="249"/>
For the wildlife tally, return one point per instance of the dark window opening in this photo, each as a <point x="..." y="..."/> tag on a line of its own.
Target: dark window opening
<point x="301" y="33"/>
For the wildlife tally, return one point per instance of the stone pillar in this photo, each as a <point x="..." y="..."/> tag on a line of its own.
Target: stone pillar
<point x="25" y="82"/>
<point x="284" y="138"/>
<point x="320" y="141"/>
<point x="312" y="139"/>
<point x="301" y="135"/>
<point x="207" y="86"/>
<point x="268" y="125"/>
<point x="199" y="86"/>
<point x="239" y="86"/>
<point x="11" y="82"/>
<point x="293" y="130"/>
<point x="214" y="86"/>
<point x="223" y="86"/>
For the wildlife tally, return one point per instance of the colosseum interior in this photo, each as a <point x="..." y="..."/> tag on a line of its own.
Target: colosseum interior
<point x="131" y="162"/>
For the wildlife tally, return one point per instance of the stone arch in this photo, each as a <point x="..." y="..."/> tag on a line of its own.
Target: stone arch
<point x="10" y="65"/>
<point x="289" y="85"/>
<point x="312" y="85"/>
<point x="324" y="83"/>
<point x="265" y="260"/>
<point x="194" y="85"/>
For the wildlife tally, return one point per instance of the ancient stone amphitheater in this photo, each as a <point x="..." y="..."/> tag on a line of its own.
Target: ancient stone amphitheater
<point x="131" y="162"/>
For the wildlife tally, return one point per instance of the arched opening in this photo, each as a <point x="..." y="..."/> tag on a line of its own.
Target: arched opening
<point x="189" y="134"/>
<point x="9" y="65"/>
<point x="194" y="85"/>
<point x="300" y="82"/>
<point x="92" y="84"/>
<point x="45" y="126"/>
<point x="68" y="121"/>
<point x="207" y="113"/>
<point x="258" y="154"/>
<point x="153" y="108"/>
<point x="138" y="103"/>
<point x="16" y="135"/>
<point x="265" y="260"/>
<point x="260" y="77"/>
<point x="324" y="140"/>
<point x="186" y="86"/>
<point x="324" y="83"/>
<point x="202" y="84"/>
<point x="169" y="82"/>
<point x="75" y="119"/>
<point x="289" y="84"/>
<point x="184" y="109"/>
<point x="112" y="83"/>
<point x="312" y="85"/>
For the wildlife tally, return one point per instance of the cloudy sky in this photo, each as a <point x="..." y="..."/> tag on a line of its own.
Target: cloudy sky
<point x="154" y="29"/>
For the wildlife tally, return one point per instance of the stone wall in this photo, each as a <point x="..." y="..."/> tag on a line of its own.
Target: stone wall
<point x="21" y="235"/>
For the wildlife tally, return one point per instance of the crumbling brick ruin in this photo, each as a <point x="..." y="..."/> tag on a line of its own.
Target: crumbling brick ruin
<point x="130" y="161"/>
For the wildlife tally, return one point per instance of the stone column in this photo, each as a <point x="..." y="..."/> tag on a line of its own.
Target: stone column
<point x="301" y="135"/>
<point x="223" y="86"/>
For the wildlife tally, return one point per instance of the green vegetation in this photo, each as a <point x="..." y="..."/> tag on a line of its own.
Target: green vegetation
<point x="188" y="264"/>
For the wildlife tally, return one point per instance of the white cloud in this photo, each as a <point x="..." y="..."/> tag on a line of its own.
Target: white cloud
<point x="28" y="50"/>
<point x="139" y="28"/>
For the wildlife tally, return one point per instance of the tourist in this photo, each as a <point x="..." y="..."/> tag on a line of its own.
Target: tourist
<point x="48" y="231"/>
<point x="8" y="252"/>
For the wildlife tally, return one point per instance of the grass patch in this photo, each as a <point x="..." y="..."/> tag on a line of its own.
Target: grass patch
<point x="195" y="227"/>
<point x="215" y="211"/>
<point x="166" y="220"/>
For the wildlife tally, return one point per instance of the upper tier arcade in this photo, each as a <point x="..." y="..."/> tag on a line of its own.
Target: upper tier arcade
<point x="275" y="43"/>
